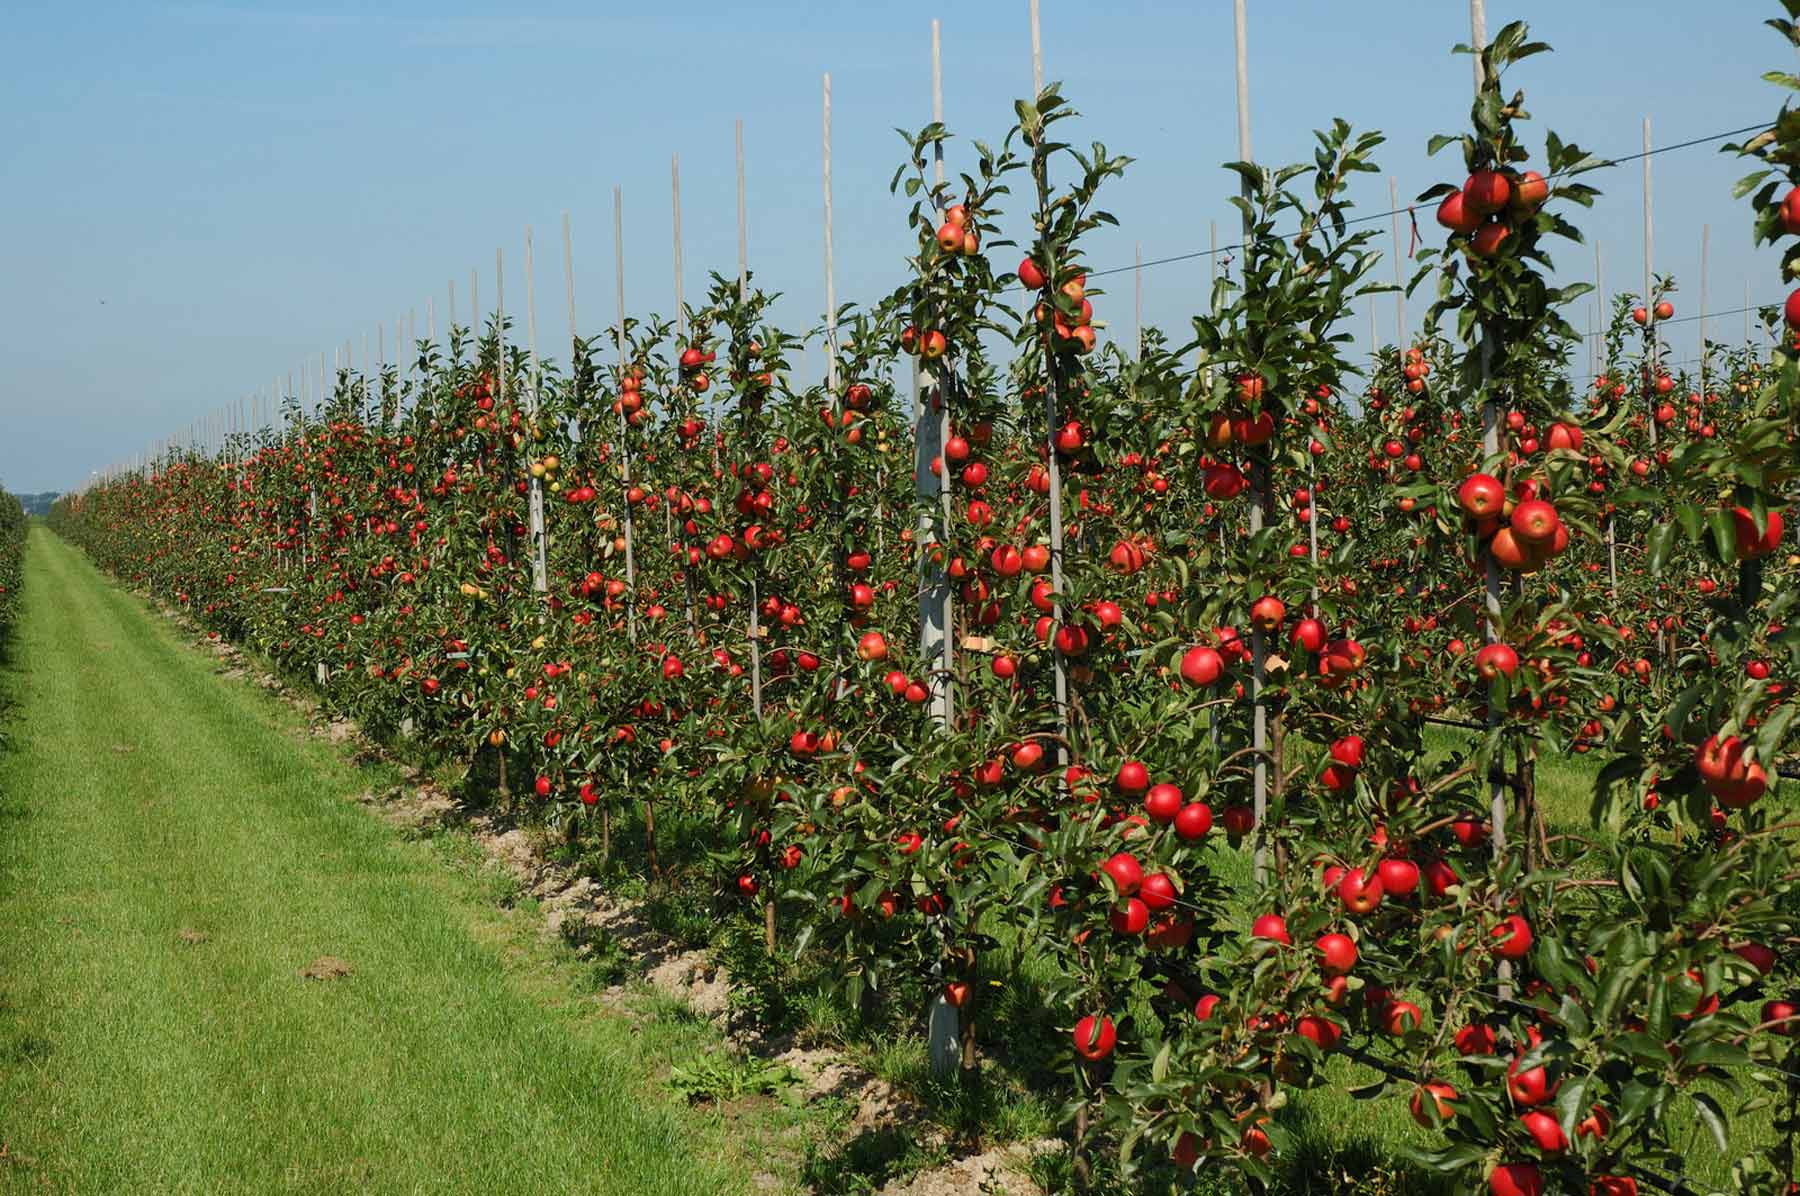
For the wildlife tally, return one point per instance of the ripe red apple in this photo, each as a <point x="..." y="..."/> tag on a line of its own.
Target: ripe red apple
<point x="1470" y="831"/>
<point x="1163" y="802"/>
<point x="1516" y="1179"/>
<point x="1193" y="821"/>
<point x="1476" y="1039"/>
<point x="1488" y="240"/>
<point x="1512" y="938"/>
<point x="1272" y="927"/>
<point x="1754" y="541"/>
<point x="1439" y="877"/>
<point x="1399" y="877"/>
<point x="1201" y="666"/>
<point x="1790" y="212"/>
<point x="1360" y="894"/>
<point x="1757" y="955"/>
<point x="1125" y="871"/>
<point x="1337" y="952"/>
<point x="872" y="646"/>
<point x="1731" y="779"/>
<point x="1546" y="1131"/>
<point x="1322" y="1032"/>
<point x="1430" y="1104"/>
<point x="1486" y="192"/>
<point x="1531" y="192"/>
<point x="1535" y="521"/>
<point x="1348" y="751"/>
<point x="1133" y="777"/>
<point x="1267" y="613"/>
<point x="1400" y="1018"/>
<point x="1481" y="495"/>
<point x="1157" y="891"/>
<point x="1493" y="661"/>
<point x="1529" y="1087"/>
<point x="1131" y="917"/>
<point x="1454" y="214"/>
<point x="1095" y="1038"/>
<point x="1030" y="275"/>
<point x="1309" y="635"/>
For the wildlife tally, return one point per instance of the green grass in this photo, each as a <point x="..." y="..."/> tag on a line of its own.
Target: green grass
<point x="172" y="855"/>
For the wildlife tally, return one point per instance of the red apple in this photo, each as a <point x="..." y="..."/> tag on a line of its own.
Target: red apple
<point x="1095" y="1038"/>
<point x="1193" y="821"/>
<point x="1430" y="1104"/>
<point x="1486" y="192"/>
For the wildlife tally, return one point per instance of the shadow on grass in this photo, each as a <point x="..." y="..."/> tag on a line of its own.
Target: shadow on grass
<point x="865" y="1162"/>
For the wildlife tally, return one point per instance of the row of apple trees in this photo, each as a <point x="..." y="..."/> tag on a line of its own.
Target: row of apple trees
<point x="1206" y="676"/>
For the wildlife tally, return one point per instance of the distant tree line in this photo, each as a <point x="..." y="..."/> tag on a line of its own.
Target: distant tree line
<point x="38" y="504"/>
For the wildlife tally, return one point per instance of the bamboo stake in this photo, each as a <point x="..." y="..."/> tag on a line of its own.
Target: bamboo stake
<point x="689" y="586"/>
<point x="756" y="687"/>
<point x="1137" y="279"/>
<point x="675" y="205"/>
<point x="1259" y="498"/>
<point x="1490" y="444"/>
<point x="1399" y="281"/>
<point x="569" y="280"/>
<point x="1604" y="320"/>
<point x="1651" y="338"/>
<point x="930" y="420"/>
<point x="540" y="537"/>
<point x="624" y="420"/>
<point x="1705" y="245"/>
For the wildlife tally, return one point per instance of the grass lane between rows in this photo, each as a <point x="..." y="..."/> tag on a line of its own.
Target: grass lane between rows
<point x="172" y="856"/>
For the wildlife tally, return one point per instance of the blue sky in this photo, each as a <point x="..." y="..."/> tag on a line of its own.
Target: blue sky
<point x="200" y="196"/>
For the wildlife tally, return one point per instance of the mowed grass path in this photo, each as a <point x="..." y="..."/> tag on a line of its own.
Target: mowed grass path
<point x="140" y="798"/>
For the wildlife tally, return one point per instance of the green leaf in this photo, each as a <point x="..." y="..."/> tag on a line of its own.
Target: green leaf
<point x="1713" y="1117"/>
<point x="1724" y="535"/>
<point x="1657" y="546"/>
